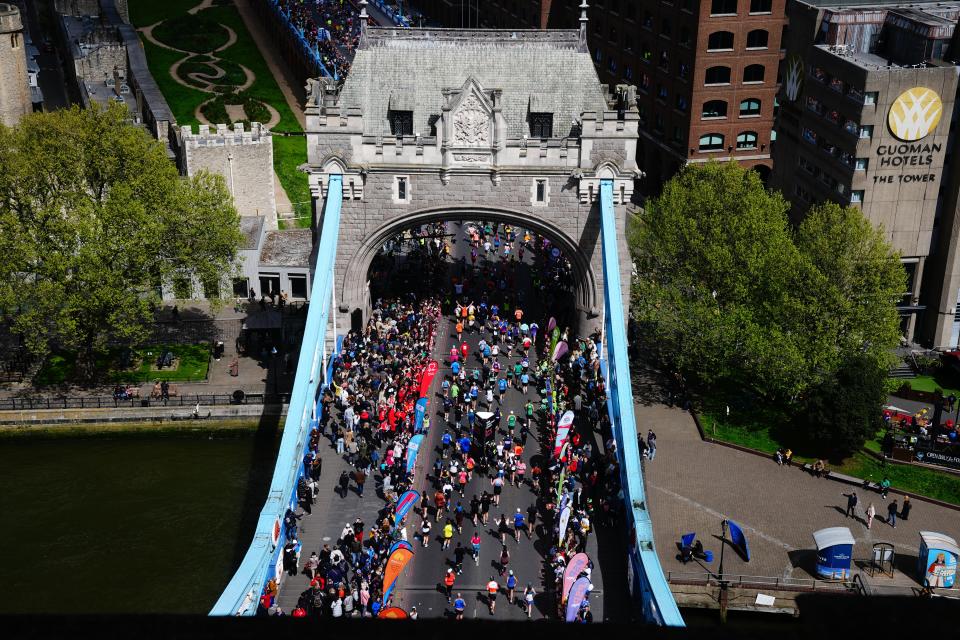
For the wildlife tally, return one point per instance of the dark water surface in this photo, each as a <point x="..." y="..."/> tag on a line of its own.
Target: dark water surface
<point x="128" y="523"/>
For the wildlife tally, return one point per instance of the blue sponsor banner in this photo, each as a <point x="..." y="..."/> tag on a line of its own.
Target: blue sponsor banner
<point x="405" y="503"/>
<point x="420" y="410"/>
<point x="412" y="448"/>
<point x="739" y="540"/>
<point x="578" y="595"/>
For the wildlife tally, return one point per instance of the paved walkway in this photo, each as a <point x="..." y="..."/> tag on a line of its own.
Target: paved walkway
<point x="257" y="374"/>
<point x="292" y="91"/>
<point x="693" y="485"/>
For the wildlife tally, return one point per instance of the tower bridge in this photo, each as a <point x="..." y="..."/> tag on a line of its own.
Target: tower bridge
<point x="466" y="124"/>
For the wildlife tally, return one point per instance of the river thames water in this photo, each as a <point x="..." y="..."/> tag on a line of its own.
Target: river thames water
<point x="128" y="523"/>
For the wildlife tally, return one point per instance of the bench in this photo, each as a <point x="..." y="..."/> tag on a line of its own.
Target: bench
<point x="875" y="486"/>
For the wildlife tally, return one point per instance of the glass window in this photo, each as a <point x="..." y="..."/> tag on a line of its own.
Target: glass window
<point x="684" y="36"/>
<point x="661" y="92"/>
<point x="757" y="39"/>
<point x="298" y="286"/>
<point x="718" y="75"/>
<point x="750" y="107"/>
<point x="646" y="52"/>
<point x="747" y="140"/>
<point x="862" y="164"/>
<point x="541" y="125"/>
<point x="665" y="28"/>
<point x="723" y="7"/>
<point x="682" y="104"/>
<point x="240" y="287"/>
<point x="866" y="131"/>
<point x="870" y="97"/>
<point x="856" y="197"/>
<point x="683" y="70"/>
<point x="809" y="135"/>
<point x="711" y="142"/>
<point x="401" y="188"/>
<point x="761" y="6"/>
<point x="719" y="41"/>
<point x="714" y="109"/>
<point x="541" y="190"/>
<point x="664" y="60"/>
<point x="677" y="134"/>
<point x="401" y="123"/>
<point x="754" y="73"/>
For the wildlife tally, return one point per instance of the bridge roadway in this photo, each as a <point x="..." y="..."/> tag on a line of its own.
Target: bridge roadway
<point x="419" y="586"/>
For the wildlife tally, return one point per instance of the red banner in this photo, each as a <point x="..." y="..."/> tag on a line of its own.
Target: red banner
<point x="428" y="375"/>
<point x="563" y="430"/>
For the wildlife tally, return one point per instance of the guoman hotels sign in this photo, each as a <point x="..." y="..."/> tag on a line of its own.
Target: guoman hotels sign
<point x="912" y="116"/>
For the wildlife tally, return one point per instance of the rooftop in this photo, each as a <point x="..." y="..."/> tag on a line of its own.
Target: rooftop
<point x="250" y="227"/>
<point x="290" y="248"/>
<point x="550" y="68"/>
<point x="875" y="62"/>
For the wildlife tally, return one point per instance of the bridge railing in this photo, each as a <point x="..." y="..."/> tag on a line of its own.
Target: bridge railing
<point x="647" y="583"/>
<point x="309" y="51"/>
<point x="261" y="562"/>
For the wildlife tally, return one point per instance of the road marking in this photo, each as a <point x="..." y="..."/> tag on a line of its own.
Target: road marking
<point x="717" y="514"/>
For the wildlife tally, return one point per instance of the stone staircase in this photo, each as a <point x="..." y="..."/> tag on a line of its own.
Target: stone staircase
<point x="904" y="370"/>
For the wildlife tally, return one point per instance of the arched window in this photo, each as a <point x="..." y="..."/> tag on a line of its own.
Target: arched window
<point x="757" y="39"/>
<point x="711" y="142"/>
<point x="754" y="73"/>
<point x="747" y="140"/>
<point x="718" y="75"/>
<point x="723" y="7"/>
<point x="750" y="107"/>
<point x="715" y="109"/>
<point x="719" y="41"/>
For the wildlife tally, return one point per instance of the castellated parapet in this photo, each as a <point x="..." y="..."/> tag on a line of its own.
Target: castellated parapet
<point x="15" y="101"/>
<point x="244" y="157"/>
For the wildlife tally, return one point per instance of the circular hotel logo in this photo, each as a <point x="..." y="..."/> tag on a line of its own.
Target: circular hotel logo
<point x="914" y="114"/>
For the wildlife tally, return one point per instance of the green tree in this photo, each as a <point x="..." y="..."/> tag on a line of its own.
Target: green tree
<point x="863" y="281"/>
<point x="95" y="217"/>
<point x="722" y="292"/>
<point x="841" y="412"/>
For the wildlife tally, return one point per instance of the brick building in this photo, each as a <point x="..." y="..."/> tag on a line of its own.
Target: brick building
<point x="706" y="70"/>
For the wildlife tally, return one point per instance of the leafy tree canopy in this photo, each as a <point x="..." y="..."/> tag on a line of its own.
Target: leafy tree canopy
<point x="730" y="295"/>
<point x="95" y="217"/>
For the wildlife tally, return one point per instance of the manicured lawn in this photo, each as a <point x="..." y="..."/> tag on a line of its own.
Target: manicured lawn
<point x="197" y="33"/>
<point x="288" y="154"/>
<point x="945" y="381"/>
<point x="183" y="100"/>
<point x="193" y="363"/>
<point x="920" y="480"/>
<point x="143" y="13"/>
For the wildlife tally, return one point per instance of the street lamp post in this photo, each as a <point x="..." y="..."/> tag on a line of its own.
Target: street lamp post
<point x="723" y="582"/>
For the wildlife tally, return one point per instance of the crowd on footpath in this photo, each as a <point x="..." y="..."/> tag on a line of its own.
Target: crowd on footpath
<point x="332" y="26"/>
<point x="367" y="415"/>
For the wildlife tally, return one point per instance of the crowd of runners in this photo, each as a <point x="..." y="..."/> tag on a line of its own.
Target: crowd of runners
<point x="332" y="26"/>
<point x="496" y="353"/>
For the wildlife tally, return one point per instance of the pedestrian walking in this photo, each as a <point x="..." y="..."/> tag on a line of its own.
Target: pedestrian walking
<point x="360" y="478"/>
<point x="344" y="482"/>
<point x="458" y="606"/>
<point x="651" y="444"/>
<point x="905" y="509"/>
<point x="871" y="513"/>
<point x="892" y="514"/>
<point x="851" y="503"/>
<point x="528" y="596"/>
<point x="459" y="553"/>
<point x="503" y="529"/>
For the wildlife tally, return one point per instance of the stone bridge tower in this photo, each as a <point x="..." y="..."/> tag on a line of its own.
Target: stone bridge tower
<point x="15" y="99"/>
<point x="459" y="124"/>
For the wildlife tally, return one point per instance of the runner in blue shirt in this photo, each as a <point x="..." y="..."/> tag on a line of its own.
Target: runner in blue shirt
<point x="458" y="606"/>
<point x="502" y="385"/>
<point x="518" y="524"/>
<point x="511" y="585"/>
<point x="455" y="367"/>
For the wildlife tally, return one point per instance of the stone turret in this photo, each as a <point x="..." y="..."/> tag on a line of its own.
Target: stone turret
<point x="14" y="83"/>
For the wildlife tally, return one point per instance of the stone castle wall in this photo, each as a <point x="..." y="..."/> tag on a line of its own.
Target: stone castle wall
<point x="15" y="99"/>
<point x="243" y="157"/>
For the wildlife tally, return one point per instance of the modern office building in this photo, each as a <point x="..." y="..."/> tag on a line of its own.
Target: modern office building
<point x="865" y="118"/>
